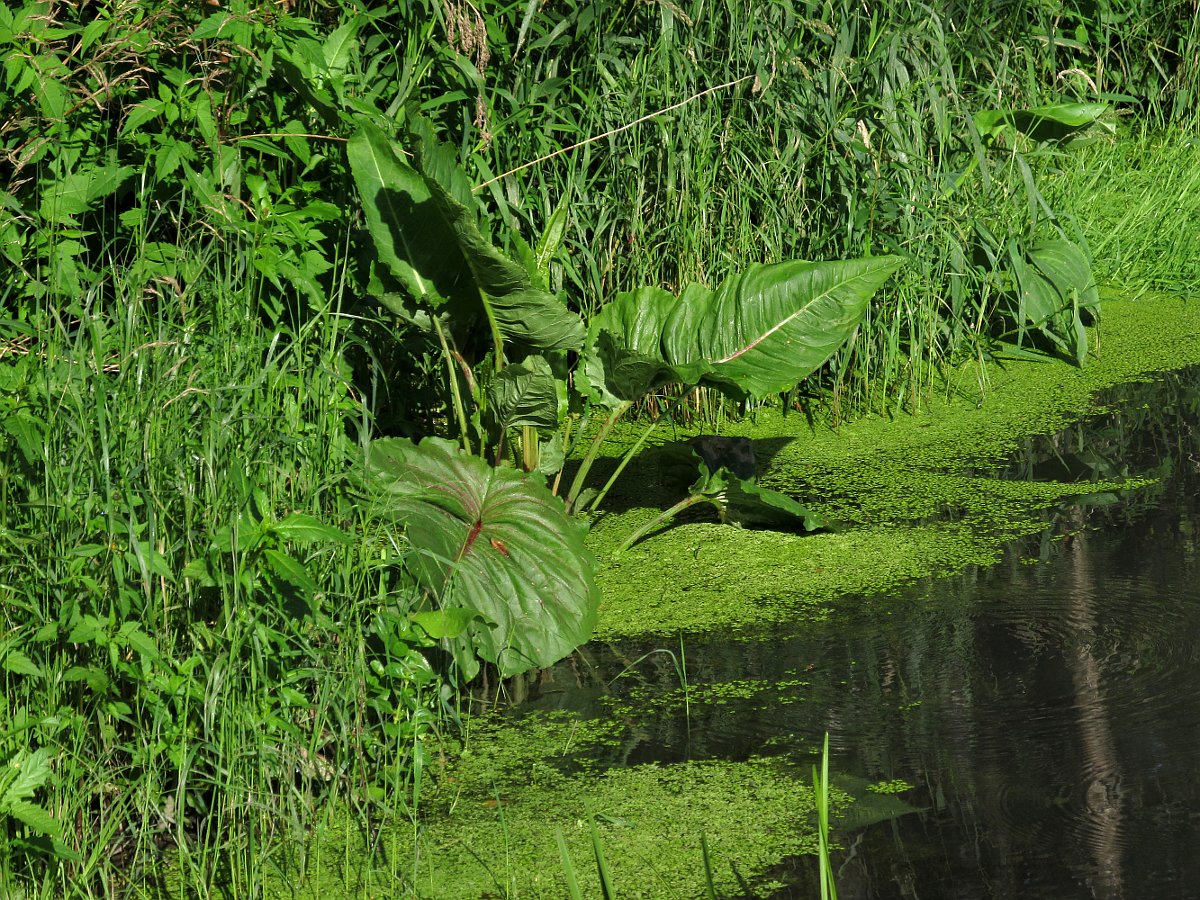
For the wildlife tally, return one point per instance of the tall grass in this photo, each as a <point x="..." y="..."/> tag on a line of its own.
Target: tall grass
<point x="204" y="644"/>
<point x="150" y="429"/>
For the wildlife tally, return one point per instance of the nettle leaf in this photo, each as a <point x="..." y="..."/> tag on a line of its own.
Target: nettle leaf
<point x="36" y="817"/>
<point x="23" y="775"/>
<point x="301" y="528"/>
<point x="492" y="541"/>
<point x="290" y="569"/>
<point x="74" y="194"/>
<point x="18" y="663"/>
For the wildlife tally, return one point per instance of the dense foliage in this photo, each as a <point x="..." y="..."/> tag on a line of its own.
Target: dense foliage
<point x="214" y="630"/>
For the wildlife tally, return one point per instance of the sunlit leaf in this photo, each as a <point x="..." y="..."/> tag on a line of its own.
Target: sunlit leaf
<point x="493" y="541"/>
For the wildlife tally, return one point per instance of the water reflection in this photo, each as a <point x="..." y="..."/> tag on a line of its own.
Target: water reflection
<point x="1047" y="710"/>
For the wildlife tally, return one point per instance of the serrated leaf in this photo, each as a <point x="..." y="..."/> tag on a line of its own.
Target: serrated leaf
<point x="27" y="431"/>
<point x="96" y="680"/>
<point x="36" y="817"/>
<point x="75" y="194"/>
<point x="18" y="663"/>
<point x="146" y="111"/>
<point x="289" y="569"/>
<point x="215" y="26"/>
<point x="24" y="774"/>
<point x="136" y="638"/>
<point x="339" y="47"/>
<point x="198" y="570"/>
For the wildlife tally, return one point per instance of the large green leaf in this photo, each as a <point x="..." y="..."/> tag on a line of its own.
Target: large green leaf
<point x="1041" y="123"/>
<point x="425" y="229"/>
<point x="770" y="326"/>
<point x="494" y="541"/>
<point x="625" y="359"/>
<point x="760" y="332"/>
<point x="1055" y="288"/>
<point x="395" y="197"/>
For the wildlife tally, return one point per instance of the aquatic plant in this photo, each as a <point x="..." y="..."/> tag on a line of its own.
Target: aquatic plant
<point x="757" y="334"/>
<point x="193" y="350"/>
<point x="739" y="501"/>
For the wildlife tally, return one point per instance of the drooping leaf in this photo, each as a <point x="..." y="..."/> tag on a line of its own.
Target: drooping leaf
<point x="742" y="501"/>
<point x="425" y="228"/>
<point x="1040" y="123"/>
<point x="409" y="235"/>
<point x="613" y="375"/>
<point x="133" y="635"/>
<point x="290" y="569"/>
<point x="529" y="318"/>
<point x="624" y="359"/>
<point x="493" y="541"/>
<point x="1055" y="289"/>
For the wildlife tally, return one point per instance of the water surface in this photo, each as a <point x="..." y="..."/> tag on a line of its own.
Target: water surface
<point x="1046" y="711"/>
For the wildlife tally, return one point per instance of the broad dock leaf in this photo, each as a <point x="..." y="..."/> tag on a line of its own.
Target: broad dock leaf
<point x="494" y="541"/>
<point x="760" y="332"/>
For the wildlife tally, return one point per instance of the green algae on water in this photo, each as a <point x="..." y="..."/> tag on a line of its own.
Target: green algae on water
<point x="491" y="829"/>
<point x="917" y="494"/>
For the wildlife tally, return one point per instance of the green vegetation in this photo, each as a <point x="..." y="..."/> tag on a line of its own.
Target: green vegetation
<point x="265" y="262"/>
<point x="918" y="495"/>
<point x="493" y="826"/>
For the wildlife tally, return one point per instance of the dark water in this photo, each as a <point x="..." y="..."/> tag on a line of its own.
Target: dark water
<point x="1046" y="710"/>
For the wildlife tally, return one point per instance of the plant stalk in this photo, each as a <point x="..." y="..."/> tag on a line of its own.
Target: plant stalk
<point x="690" y="500"/>
<point x="638" y="445"/>
<point x="455" y="395"/>
<point x="586" y="465"/>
